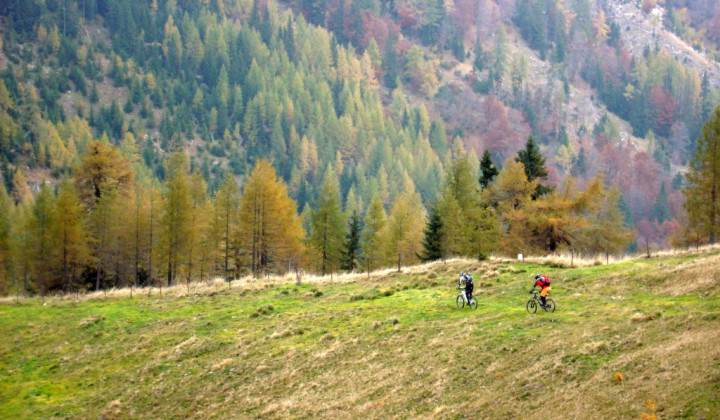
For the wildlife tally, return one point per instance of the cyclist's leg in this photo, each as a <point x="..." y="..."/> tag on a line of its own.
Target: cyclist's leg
<point x="544" y="293"/>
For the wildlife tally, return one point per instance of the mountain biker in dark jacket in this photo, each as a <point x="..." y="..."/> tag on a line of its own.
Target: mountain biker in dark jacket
<point x="543" y="283"/>
<point x="467" y="280"/>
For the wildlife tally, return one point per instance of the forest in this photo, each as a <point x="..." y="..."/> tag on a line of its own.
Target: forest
<point x="146" y="143"/>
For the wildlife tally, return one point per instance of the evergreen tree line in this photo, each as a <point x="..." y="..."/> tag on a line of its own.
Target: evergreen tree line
<point x="237" y="81"/>
<point x="511" y="212"/>
<point x="111" y="225"/>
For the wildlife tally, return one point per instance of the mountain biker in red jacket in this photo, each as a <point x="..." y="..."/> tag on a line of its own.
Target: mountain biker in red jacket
<point x="543" y="283"/>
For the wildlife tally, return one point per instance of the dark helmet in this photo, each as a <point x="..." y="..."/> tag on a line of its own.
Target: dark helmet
<point x="537" y="276"/>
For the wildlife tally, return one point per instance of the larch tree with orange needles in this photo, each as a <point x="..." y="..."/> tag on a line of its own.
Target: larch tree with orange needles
<point x="270" y="231"/>
<point x="70" y="233"/>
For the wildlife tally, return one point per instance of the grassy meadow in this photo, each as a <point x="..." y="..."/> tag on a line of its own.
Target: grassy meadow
<point x="630" y="339"/>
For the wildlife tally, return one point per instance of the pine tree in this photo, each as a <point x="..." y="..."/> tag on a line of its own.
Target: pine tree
<point x="534" y="163"/>
<point x="404" y="228"/>
<point x="390" y="63"/>
<point x="438" y="137"/>
<point x="510" y="194"/>
<point x="102" y="222"/>
<point x="372" y="245"/>
<point x="488" y="171"/>
<point x="468" y="226"/>
<point x="271" y="231"/>
<point x="21" y="245"/>
<point x="553" y="221"/>
<point x="327" y="228"/>
<point x="479" y="58"/>
<point x="226" y="203"/>
<point x="176" y="213"/>
<point x="352" y="248"/>
<point x="20" y="190"/>
<point x="70" y="233"/>
<point x="101" y="168"/>
<point x="6" y="209"/>
<point x="660" y="210"/>
<point x="432" y="237"/>
<point x="197" y="223"/>
<point x="606" y="231"/>
<point x="702" y="193"/>
<point x="43" y="239"/>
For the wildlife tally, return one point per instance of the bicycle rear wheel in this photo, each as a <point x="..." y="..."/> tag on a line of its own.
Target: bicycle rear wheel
<point x="531" y="306"/>
<point x="473" y="303"/>
<point x="460" y="301"/>
<point x="549" y="305"/>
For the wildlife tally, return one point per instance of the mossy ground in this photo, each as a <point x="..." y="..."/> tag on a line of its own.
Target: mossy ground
<point x="389" y="346"/>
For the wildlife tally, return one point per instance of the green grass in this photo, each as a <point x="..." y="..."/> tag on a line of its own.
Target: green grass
<point x="392" y="346"/>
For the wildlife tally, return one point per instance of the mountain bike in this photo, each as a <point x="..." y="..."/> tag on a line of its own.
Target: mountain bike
<point x="461" y="300"/>
<point x="535" y="302"/>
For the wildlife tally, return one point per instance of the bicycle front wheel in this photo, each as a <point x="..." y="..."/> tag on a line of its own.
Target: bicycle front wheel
<point x="531" y="306"/>
<point x="473" y="303"/>
<point x="460" y="301"/>
<point x="549" y="305"/>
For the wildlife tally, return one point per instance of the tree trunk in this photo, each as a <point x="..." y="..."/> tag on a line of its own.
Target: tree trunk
<point x="97" y="278"/>
<point x="713" y="213"/>
<point x="227" y="242"/>
<point x="137" y="246"/>
<point x="151" y="280"/>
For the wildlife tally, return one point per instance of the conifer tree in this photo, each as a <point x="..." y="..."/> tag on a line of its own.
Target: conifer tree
<point x="20" y="190"/>
<point x="226" y="204"/>
<point x="43" y="239"/>
<point x="372" y="245"/>
<point x="553" y="219"/>
<point x="510" y="194"/>
<point x="352" y="249"/>
<point x="21" y="245"/>
<point x="606" y="231"/>
<point x="271" y="231"/>
<point x="390" y="63"/>
<point x="70" y="233"/>
<point x="176" y="213"/>
<point x="488" y="171"/>
<point x="327" y="228"/>
<point x="197" y="223"/>
<point x="102" y="224"/>
<point x="155" y="211"/>
<point x="660" y="210"/>
<point x="404" y="228"/>
<point x="101" y="168"/>
<point x="432" y="237"/>
<point x="139" y="229"/>
<point x="468" y="225"/>
<point x="6" y="208"/>
<point x="702" y="193"/>
<point x="534" y="164"/>
<point x="438" y="137"/>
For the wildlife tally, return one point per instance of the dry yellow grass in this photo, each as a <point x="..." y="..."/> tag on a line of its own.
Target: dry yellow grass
<point x="268" y="348"/>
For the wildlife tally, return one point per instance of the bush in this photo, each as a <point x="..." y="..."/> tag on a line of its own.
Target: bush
<point x="263" y="310"/>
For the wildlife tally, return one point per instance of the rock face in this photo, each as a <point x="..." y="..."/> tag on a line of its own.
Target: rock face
<point x="640" y="30"/>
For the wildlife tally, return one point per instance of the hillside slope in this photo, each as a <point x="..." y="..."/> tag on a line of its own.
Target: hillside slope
<point x="393" y="345"/>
